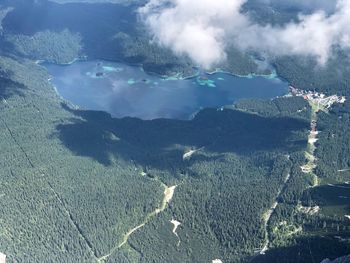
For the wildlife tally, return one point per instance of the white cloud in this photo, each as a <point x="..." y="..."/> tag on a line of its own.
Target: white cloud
<point x="192" y="27"/>
<point x="307" y="5"/>
<point x="203" y="29"/>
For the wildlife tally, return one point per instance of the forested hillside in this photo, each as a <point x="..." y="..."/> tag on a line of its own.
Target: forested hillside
<point x="114" y="34"/>
<point x="100" y="177"/>
<point x="81" y="186"/>
<point x="48" y="46"/>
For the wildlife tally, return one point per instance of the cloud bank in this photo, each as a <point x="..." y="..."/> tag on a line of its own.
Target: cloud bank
<point x="204" y="29"/>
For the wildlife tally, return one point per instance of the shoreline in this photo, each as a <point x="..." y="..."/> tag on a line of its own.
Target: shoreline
<point x="271" y="76"/>
<point x="43" y="64"/>
<point x="175" y="76"/>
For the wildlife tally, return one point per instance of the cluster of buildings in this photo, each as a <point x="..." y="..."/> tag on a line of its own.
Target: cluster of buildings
<point x="317" y="98"/>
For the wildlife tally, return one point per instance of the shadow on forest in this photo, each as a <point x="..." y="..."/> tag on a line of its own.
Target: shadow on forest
<point x="30" y="17"/>
<point x="9" y="87"/>
<point x="7" y="48"/>
<point x="152" y="143"/>
<point x="337" y="196"/>
<point x="305" y="250"/>
<point x="106" y="38"/>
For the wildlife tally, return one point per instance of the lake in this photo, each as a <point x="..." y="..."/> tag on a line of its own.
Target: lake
<point x="125" y="90"/>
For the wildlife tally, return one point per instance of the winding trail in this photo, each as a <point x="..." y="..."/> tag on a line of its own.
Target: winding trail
<point x="268" y="214"/>
<point x="168" y="195"/>
<point x="310" y="166"/>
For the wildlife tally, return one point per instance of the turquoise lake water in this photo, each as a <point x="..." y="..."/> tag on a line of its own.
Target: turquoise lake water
<point x="124" y="90"/>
